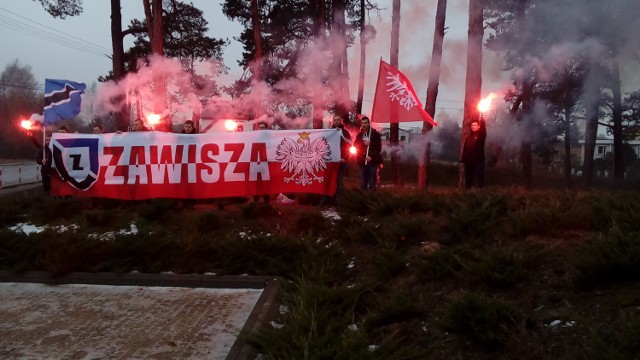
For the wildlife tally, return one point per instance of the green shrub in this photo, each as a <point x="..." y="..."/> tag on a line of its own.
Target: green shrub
<point x="62" y="252"/>
<point x="475" y="216"/>
<point x="157" y="210"/>
<point x="18" y="251"/>
<point x="387" y="262"/>
<point x="49" y="210"/>
<point x="12" y="210"/>
<point x="398" y="307"/>
<point x="502" y="268"/>
<point x="483" y="320"/>
<point x="619" y="342"/>
<point x="443" y="263"/>
<point x="100" y="218"/>
<point x="607" y="259"/>
<point x="536" y="211"/>
<point x="617" y="212"/>
<point x="319" y="325"/>
<point x="360" y="231"/>
<point x="208" y="222"/>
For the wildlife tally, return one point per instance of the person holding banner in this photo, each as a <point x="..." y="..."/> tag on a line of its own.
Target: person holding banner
<point x="345" y="144"/>
<point x="189" y="127"/>
<point x="473" y="154"/>
<point x="262" y="126"/>
<point x="44" y="160"/>
<point x="368" y="145"/>
<point x="138" y="125"/>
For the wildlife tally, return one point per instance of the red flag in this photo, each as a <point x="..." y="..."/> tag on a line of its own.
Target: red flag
<point x="395" y="100"/>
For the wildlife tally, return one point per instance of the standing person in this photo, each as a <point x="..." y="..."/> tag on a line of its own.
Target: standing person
<point x="189" y="127"/>
<point x="473" y="154"/>
<point x="368" y="144"/>
<point x="97" y="129"/>
<point x="345" y="143"/>
<point x="262" y="126"/>
<point x="138" y="125"/>
<point x="44" y="160"/>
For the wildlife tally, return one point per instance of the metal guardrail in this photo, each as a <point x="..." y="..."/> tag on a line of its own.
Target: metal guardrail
<point x="20" y="173"/>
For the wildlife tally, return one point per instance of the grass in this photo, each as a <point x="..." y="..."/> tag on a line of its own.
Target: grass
<point x="402" y="274"/>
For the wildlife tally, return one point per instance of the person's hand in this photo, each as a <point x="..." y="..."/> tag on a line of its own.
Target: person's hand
<point x="29" y="133"/>
<point x="368" y="158"/>
<point x="366" y="142"/>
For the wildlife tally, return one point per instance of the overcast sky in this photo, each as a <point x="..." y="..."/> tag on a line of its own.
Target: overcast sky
<point x="75" y="48"/>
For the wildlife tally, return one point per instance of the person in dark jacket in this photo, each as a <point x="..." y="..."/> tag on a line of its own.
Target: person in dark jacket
<point x="368" y="145"/>
<point x="266" y="197"/>
<point x="345" y="144"/>
<point x="44" y="160"/>
<point x="473" y="154"/>
<point x="189" y="127"/>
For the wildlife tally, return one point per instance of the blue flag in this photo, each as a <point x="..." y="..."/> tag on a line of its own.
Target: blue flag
<point x="62" y="99"/>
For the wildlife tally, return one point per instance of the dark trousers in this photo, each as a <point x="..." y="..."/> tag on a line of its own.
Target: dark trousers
<point x="368" y="174"/>
<point x="45" y="175"/>
<point x="474" y="171"/>
<point x="342" y="169"/>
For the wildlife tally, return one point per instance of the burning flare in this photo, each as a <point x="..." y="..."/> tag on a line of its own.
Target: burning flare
<point x="485" y="104"/>
<point x="26" y="124"/>
<point x="230" y="125"/>
<point x="153" y="119"/>
<point x="353" y="150"/>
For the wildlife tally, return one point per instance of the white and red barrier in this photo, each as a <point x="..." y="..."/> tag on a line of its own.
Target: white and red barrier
<point x="14" y="174"/>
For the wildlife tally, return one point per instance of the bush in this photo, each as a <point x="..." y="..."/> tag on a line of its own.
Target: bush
<point x="484" y="321"/>
<point x="502" y="268"/>
<point x="609" y="259"/>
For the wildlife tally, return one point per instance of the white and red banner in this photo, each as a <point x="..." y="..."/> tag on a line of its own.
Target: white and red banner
<point x="143" y="165"/>
<point x="395" y="99"/>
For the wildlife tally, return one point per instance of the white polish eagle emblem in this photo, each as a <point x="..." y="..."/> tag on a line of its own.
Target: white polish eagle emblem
<point x="304" y="158"/>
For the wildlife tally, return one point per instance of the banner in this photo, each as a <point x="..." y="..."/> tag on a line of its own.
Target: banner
<point x="395" y="100"/>
<point x="62" y="99"/>
<point x="144" y="165"/>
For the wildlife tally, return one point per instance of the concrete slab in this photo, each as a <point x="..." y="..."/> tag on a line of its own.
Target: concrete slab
<point x="133" y="316"/>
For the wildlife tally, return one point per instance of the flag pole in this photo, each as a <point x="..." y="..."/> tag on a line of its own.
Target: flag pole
<point x="367" y="154"/>
<point x="44" y="142"/>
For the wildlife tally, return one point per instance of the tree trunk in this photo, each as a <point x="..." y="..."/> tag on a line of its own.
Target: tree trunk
<point x="153" y="14"/>
<point x="473" y="85"/>
<point x="319" y="31"/>
<point x="363" y="56"/>
<point x="432" y="90"/>
<point x="117" y="61"/>
<point x="340" y="68"/>
<point x="591" y="99"/>
<point x="526" y="157"/>
<point x="257" y="61"/>
<point x="567" y="147"/>
<point x="319" y="16"/>
<point x="618" y="153"/>
<point x="257" y="37"/>
<point x="394" y="128"/>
